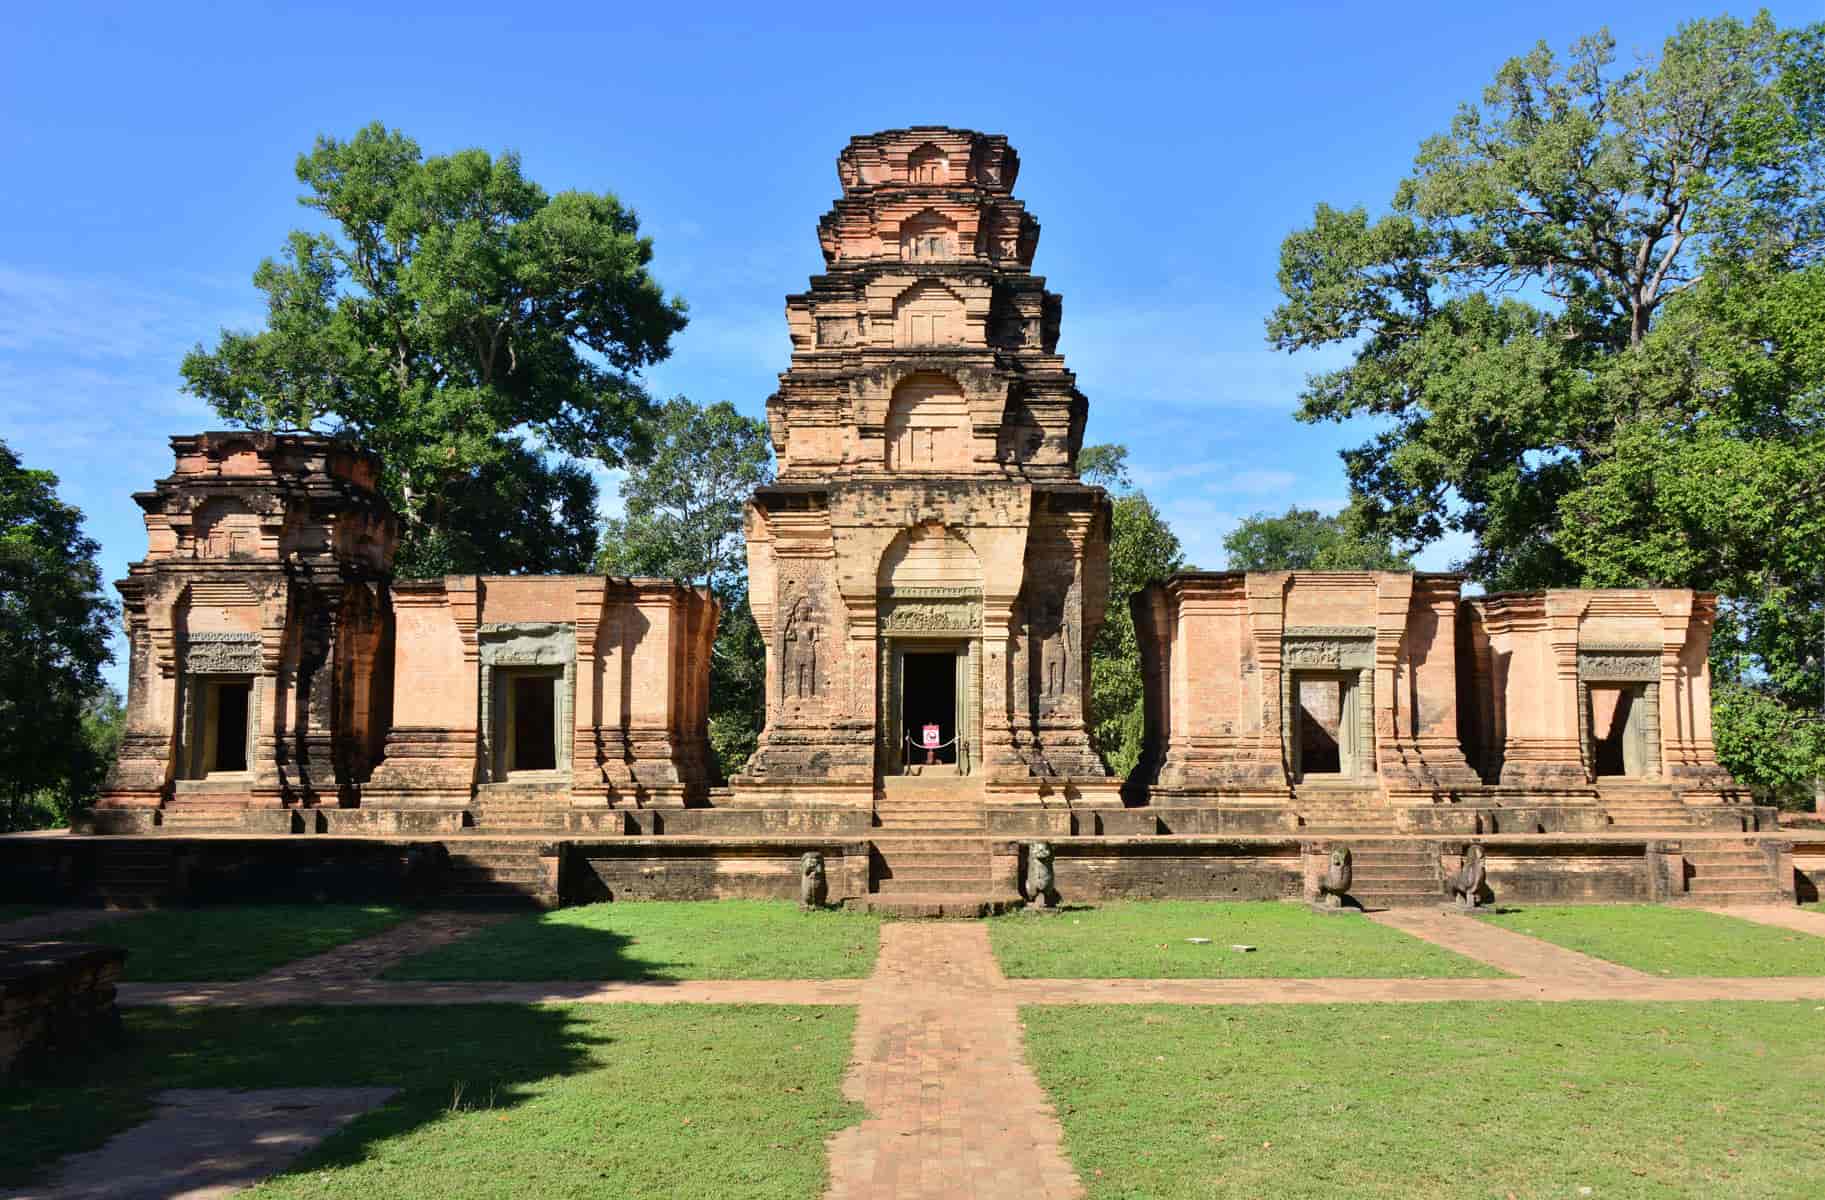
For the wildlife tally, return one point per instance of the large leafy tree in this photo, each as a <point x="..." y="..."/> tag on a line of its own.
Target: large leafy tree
<point x="683" y="518"/>
<point x="1142" y="548"/>
<point x="54" y="626"/>
<point x="1304" y="539"/>
<point x="469" y="327"/>
<point x="1588" y="330"/>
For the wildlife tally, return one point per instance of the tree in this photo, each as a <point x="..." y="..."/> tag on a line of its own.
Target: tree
<point x="1142" y="548"/>
<point x="683" y="519"/>
<point x="464" y="324"/>
<point x="1591" y="329"/>
<point x="1307" y="540"/>
<point x="54" y="628"/>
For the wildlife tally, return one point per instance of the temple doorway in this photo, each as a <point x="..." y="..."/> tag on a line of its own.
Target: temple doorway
<point x="1327" y="724"/>
<point x="928" y="706"/>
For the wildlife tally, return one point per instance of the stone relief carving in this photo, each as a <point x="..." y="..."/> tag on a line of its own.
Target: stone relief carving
<point x="1620" y="666"/>
<point x="222" y="653"/>
<point x="1351" y="652"/>
<point x="836" y="331"/>
<point x="932" y="618"/>
<point x="799" y="654"/>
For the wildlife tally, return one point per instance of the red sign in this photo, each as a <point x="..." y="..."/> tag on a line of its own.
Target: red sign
<point x="929" y="737"/>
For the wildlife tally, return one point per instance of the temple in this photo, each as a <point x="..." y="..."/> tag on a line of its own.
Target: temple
<point x="928" y="573"/>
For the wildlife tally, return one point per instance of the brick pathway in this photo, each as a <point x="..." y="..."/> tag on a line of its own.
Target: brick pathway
<point x="364" y="959"/>
<point x="1505" y="950"/>
<point x="48" y="926"/>
<point x="207" y="1143"/>
<point x="1786" y="916"/>
<point x="256" y="993"/>
<point x="953" y="1110"/>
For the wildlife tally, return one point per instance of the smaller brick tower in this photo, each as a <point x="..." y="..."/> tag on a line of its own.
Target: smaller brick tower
<point x="257" y="625"/>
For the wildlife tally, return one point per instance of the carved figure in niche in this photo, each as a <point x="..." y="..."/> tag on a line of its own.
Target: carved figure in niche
<point x="1040" y="885"/>
<point x="1334" y="887"/>
<point x="799" y="658"/>
<point x="1052" y="636"/>
<point x="813" y="886"/>
<point x="1466" y="883"/>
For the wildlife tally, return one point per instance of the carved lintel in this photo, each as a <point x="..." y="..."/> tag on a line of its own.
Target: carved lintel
<point x="1635" y="665"/>
<point x="222" y="654"/>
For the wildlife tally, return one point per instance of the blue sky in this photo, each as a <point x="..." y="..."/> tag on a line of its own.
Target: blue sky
<point x="149" y="150"/>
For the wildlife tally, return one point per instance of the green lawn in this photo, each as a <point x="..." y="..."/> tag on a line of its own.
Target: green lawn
<point x="725" y="939"/>
<point x="1145" y="939"/>
<point x="1433" y="1100"/>
<point x="238" y="942"/>
<point x="1670" y="941"/>
<point x="498" y="1100"/>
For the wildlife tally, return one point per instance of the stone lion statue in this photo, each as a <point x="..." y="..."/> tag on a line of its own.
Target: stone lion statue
<point x="1338" y="874"/>
<point x="813" y="887"/>
<point x="1466" y="883"/>
<point x="1038" y="887"/>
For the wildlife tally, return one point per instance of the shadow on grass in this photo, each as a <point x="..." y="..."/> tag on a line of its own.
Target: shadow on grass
<point x="441" y="1058"/>
<point x="527" y="949"/>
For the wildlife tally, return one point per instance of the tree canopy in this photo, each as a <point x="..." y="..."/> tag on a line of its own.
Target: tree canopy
<point x="1589" y="331"/>
<point x="54" y="629"/>
<point x="682" y="518"/>
<point x="1304" y="539"/>
<point x="1142" y="548"/>
<point x="462" y="322"/>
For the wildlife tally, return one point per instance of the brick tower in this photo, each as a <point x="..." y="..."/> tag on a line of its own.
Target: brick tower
<point x="928" y="570"/>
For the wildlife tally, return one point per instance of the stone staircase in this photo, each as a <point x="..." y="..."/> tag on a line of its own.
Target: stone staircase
<point x="488" y="870"/>
<point x="1730" y="872"/>
<point x="1646" y="818"/>
<point x="1395" y="875"/>
<point x="519" y="808"/>
<point x="931" y="848"/>
<point x="133" y="873"/>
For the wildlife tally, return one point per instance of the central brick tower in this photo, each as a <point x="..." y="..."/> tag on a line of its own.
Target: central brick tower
<point x="928" y="571"/>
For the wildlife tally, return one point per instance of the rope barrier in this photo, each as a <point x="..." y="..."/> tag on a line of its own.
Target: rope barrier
<point x="940" y="746"/>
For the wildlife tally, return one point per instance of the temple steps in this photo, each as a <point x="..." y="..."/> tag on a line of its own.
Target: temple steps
<point x="945" y="905"/>
<point x="134" y="875"/>
<point x="1731" y="875"/>
<point x="1390" y="877"/>
<point x="492" y="871"/>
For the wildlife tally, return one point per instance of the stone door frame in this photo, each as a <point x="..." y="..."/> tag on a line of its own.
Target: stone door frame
<point x="928" y="620"/>
<point x="211" y="658"/>
<point x="503" y="648"/>
<point x="1622" y="665"/>
<point x="1329" y="651"/>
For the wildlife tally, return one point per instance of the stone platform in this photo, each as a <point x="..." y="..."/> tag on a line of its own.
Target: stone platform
<point x="54" y="998"/>
<point x="976" y="872"/>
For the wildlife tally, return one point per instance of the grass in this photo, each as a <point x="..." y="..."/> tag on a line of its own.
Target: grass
<point x="1146" y="940"/>
<point x="725" y="939"/>
<point x="1670" y="941"/>
<point x="215" y="944"/>
<point x="497" y="1100"/>
<point x="1517" y="1100"/>
<point x="18" y="912"/>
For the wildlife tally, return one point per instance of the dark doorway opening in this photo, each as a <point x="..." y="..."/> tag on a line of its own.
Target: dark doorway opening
<point x="534" y="722"/>
<point x="930" y="698"/>
<point x="1615" y="729"/>
<point x="1321" y="725"/>
<point x="230" y="717"/>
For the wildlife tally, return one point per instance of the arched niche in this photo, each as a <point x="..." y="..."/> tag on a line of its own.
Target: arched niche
<point x="928" y="425"/>
<point x="928" y="237"/>
<point x="928" y="164"/>
<point x="225" y="529"/>
<point x="928" y="314"/>
<point x="929" y="557"/>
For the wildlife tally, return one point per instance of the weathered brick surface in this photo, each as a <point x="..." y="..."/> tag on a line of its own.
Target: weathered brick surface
<point x="953" y="1109"/>
<point x="55" y="997"/>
